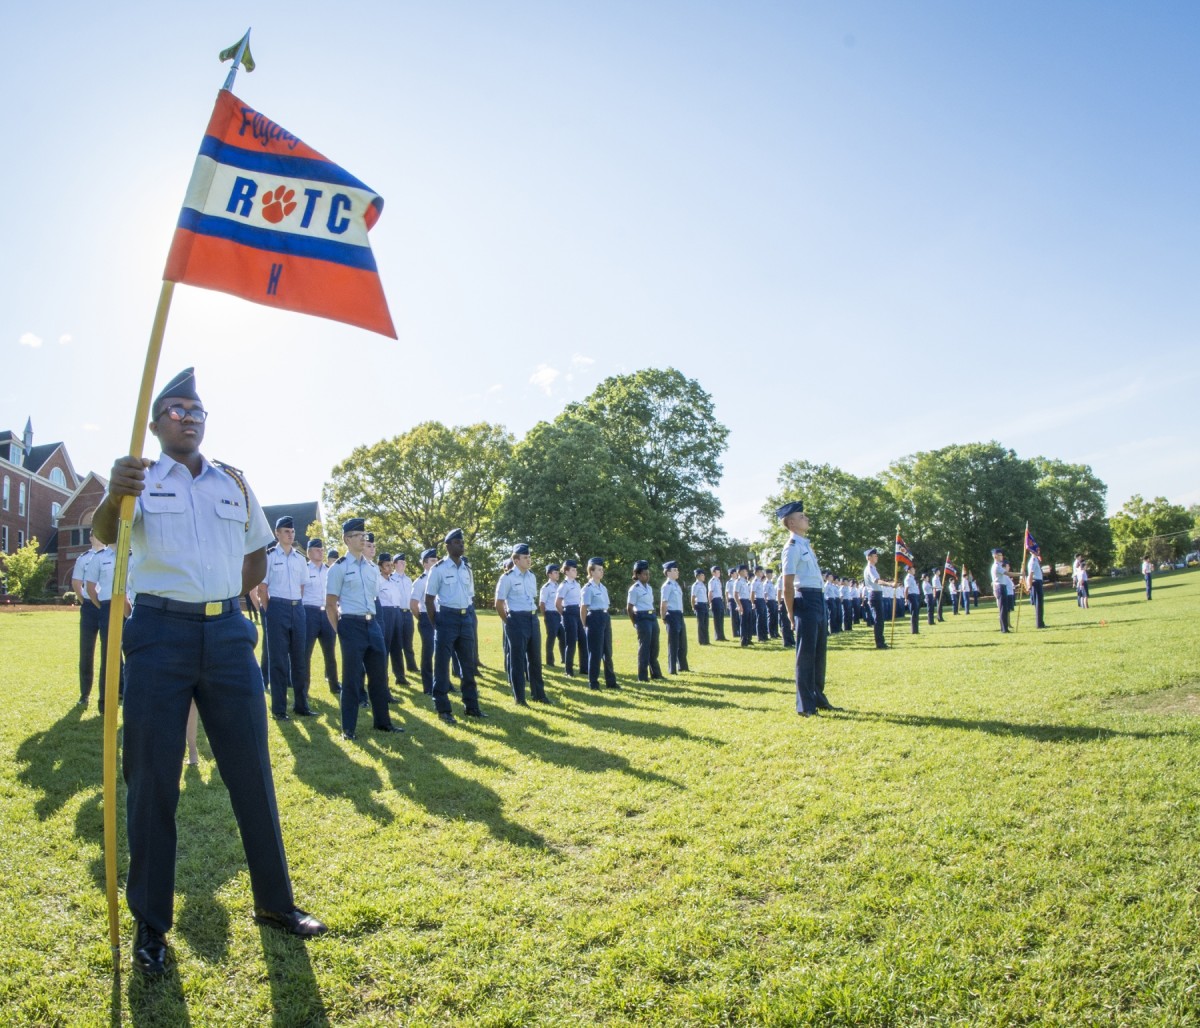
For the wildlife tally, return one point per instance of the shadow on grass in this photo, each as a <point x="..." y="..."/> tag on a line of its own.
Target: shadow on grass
<point x="1036" y="732"/>
<point x="154" y="1003"/>
<point x="295" y="997"/>
<point x="64" y="760"/>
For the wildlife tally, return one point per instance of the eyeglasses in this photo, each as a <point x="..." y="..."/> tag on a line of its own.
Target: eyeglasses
<point x="177" y="413"/>
<point x="354" y="535"/>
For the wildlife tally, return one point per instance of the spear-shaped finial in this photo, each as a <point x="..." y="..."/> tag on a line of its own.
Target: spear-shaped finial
<point x="240" y="52"/>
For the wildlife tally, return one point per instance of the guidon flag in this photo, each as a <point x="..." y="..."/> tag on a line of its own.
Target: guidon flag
<point x="903" y="555"/>
<point x="269" y="219"/>
<point x="1031" y="544"/>
<point x="950" y="569"/>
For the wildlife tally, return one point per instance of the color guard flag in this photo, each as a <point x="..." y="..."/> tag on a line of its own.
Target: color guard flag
<point x="902" y="554"/>
<point x="950" y="569"/>
<point x="1031" y="543"/>
<point x="269" y="219"/>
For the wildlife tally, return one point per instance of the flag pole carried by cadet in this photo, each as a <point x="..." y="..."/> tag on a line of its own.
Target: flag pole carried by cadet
<point x="242" y="231"/>
<point x="942" y="592"/>
<point x="903" y="556"/>
<point x="1021" y="577"/>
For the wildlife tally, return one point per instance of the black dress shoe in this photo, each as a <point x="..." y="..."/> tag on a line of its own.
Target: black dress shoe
<point x="612" y="686"/>
<point x="393" y="699"/>
<point x="389" y="729"/>
<point x="296" y="921"/>
<point x="349" y="736"/>
<point x="806" y="713"/>
<point x="149" y="950"/>
<point x="304" y="713"/>
<point x="336" y="690"/>
<point x="281" y="717"/>
<point x="522" y="703"/>
<point x="475" y="712"/>
<point x="451" y="689"/>
<point x="81" y="702"/>
<point x="448" y="719"/>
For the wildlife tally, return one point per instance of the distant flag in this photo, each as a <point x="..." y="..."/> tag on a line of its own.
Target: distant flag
<point x="230" y="53"/>
<point x="1031" y="543"/>
<point x="903" y="556"/>
<point x="269" y="219"/>
<point x="950" y="569"/>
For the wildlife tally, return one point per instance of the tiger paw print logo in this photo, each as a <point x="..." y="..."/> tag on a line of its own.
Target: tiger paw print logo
<point x="278" y="203"/>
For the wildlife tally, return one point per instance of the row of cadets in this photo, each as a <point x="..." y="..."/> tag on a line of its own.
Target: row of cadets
<point x="449" y="603"/>
<point x="548" y="608"/>
<point x="423" y="620"/>
<point x="89" y="625"/>
<point x="280" y="594"/>
<point x="716" y="601"/>
<point x="699" y="600"/>
<point x="803" y="587"/>
<point x="772" y="590"/>
<point x="352" y="588"/>
<point x="832" y="595"/>
<point x="317" y="626"/>
<point x="516" y="600"/>
<point x="567" y="600"/>
<point x="671" y="603"/>
<point x="593" y="612"/>
<point x="639" y="606"/>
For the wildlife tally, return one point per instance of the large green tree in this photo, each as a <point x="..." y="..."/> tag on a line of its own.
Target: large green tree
<point x="660" y="426"/>
<point x="1070" y="516"/>
<point x="1153" y="528"/>
<point x="26" y="571"/>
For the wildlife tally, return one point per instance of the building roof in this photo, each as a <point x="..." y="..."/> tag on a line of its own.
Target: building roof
<point x="38" y="455"/>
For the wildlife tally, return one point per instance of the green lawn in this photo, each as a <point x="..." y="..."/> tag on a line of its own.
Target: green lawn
<point x="997" y="830"/>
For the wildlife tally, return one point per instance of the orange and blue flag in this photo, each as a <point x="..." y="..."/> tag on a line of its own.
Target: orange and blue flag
<point x="269" y="219"/>
<point x="903" y="556"/>
<point x="1031" y="544"/>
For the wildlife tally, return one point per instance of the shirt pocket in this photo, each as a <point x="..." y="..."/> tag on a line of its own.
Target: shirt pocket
<point x="230" y="527"/>
<point x="169" y="526"/>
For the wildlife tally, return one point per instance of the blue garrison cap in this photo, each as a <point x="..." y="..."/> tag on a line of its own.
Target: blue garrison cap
<point x="715" y="567"/>
<point x="182" y="385"/>
<point x="641" y="565"/>
<point x="368" y="537"/>
<point x="697" y="571"/>
<point x="353" y="525"/>
<point x="552" y="567"/>
<point x="521" y="550"/>
<point x="670" y="565"/>
<point x="284" y="522"/>
<point x="867" y="553"/>
<point x="454" y="533"/>
<point x="315" y="542"/>
<point x="384" y="557"/>
<point x="332" y="554"/>
<point x="794" y="507"/>
<point x="426" y="554"/>
<point x="997" y="552"/>
<point x="570" y="562"/>
<point x="399" y="557"/>
<point x="743" y="567"/>
<point x="596" y="561"/>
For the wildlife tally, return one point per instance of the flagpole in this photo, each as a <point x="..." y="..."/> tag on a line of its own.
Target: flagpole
<point x="895" y="587"/>
<point x="243" y="43"/>
<point x="942" y="592"/>
<point x="1021" y="582"/>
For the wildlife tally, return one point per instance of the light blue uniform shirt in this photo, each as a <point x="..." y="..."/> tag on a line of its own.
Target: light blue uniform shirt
<point x="548" y="594"/>
<point x="287" y="574"/>
<point x="81" y="564"/>
<point x="798" y="559"/>
<point x="190" y="534"/>
<point x="741" y="589"/>
<point x="641" y="597"/>
<point x="314" y="585"/>
<point x="404" y="585"/>
<point x="453" y="585"/>
<point x="518" y="589"/>
<point x="872" y="579"/>
<point x="594" y="596"/>
<point x="100" y="570"/>
<point x="569" y="592"/>
<point x="716" y="589"/>
<point x="355" y="583"/>
<point x="699" y="593"/>
<point x="671" y="594"/>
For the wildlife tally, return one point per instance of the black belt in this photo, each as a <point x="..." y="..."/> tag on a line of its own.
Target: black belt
<point x="357" y="617"/>
<point x="517" y="613"/>
<point x="286" y="603"/>
<point x="454" y="610"/>
<point x="208" y="610"/>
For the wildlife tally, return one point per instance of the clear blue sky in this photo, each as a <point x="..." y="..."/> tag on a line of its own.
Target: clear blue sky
<point x="865" y="228"/>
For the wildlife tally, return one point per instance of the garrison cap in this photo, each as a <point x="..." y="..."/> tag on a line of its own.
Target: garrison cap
<point x="743" y="567"/>
<point x="333" y="553"/>
<point x="997" y="552"/>
<point x="794" y="507"/>
<point x="715" y="567"/>
<point x="399" y="557"/>
<point x="454" y="533"/>
<point x="570" y="562"/>
<point x="670" y="565"/>
<point x="182" y="385"/>
<point x="596" y="561"/>
<point x="521" y="550"/>
<point x="353" y="525"/>
<point x="428" y="554"/>
<point x="552" y="567"/>
<point x="385" y="557"/>
<point x="284" y="522"/>
<point x="640" y="565"/>
<point x="368" y="537"/>
<point x="697" y="571"/>
<point x="874" y="550"/>
<point x="315" y="542"/>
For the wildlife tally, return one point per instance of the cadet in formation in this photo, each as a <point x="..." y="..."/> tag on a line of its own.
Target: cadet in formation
<point x="671" y="604"/>
<point x="875" y="583"/>
<point x="317" y="628"/>
<point x="424" y="621"/>
<point x="1034" y="582"/>
<point x="912" y="593"/>
<point x="516" y="600"/>
<point x="547" y="606"/>
<point x="89" y="624"/>
<point x="804" y="597"/>
<point x="407" y="627"/>
<point x="98" y="584"/>
<point x="281" y="592"/>
<point x="593" y="611"/>
<point x="639" y="606"/>
<point x="716" y="599"/>
<point x="699" y="599"/>
<point x="1001" y="584"/>
<point x="735" y="603"/>
<point x="566" y="602"/>
<point x="745" y="604"/>
<point x="448" y="597"/>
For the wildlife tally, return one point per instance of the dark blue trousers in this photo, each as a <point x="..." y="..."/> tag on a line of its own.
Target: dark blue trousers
<point x="812" y="636"/>
<point x="425" y="628"/>
<point x="760" y="620"/>
<point x="702" y="624"/>
<point x="393" y="643"/>
<point x="171" y="660"/>
<point x="287" y="632"/>
<point x="554" y="634"/>
<point x="877" y="620"/>
<point x="524" y="654"/>
<point x="318" y="629"/>
<point x="599" y="644"/>
<point x="747" y="622"/>
<point x="676" y="642"/>
<point x="647" y="655"/>
<point x="576" y="641"/>
<point x="718" y="618"/>
<point x="785" y="626"/>
<point x="1149" y="585"/>
<point x="102" y="614"/>
<point x="847" y="616"/>
<point x="773" y="618"/>
<point x="407" y="629"/>
<point x="363" y="652"/>
<point x="914" y="611"/>
<point x="929" y="602"/>
<point x="1037" y="596"/>
<point x="735" y="618"/>
<point x="454" y="634"/>
<point x="89" y="629"/>
<point x="1002" y="608"/>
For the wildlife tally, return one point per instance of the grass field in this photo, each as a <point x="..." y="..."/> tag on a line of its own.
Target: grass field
<point x="997" y="830"/>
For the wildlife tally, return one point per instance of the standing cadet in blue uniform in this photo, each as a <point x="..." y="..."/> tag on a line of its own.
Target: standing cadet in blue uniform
<point x="912" y="592"/>
<point x="734" y="602"/>
<point x="390" y="604"/>
<point x="832" y="614"/>
<point x="316" y="625"/>
<point x="566" y="602"/>
<point x="699" y="598"/>
<point x="758" y="593"/>
<point x="593" y="612"/>
<point x="716" y="599"/>
<point x="187" y="640"/>
<point x="927" y="594"/>
<point x="404" y="588"/>
<point x="448" y="594"/>
<point x="98" y="582"/>
<point x="424" y="621"/>
<point x="1001" y="586"/>
<point x="353" y="586"/>
<point x="804" y="596"/>
<point x="552" y="618"/>
<point x="516" y="599"/>
<point x="875" y="583"/>
<point x="671" y="604"/>
<point x="1147" y="575"/>
<point x="1035" y="584"/>
<point x="772" y="593"/>
<point x="745" y="604"/>
<point x="89" y="627"/>
<point x="639" y="606"/>
<point x="282" y="590"/>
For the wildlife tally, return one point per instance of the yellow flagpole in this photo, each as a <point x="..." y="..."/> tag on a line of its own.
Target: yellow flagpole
<point x="942" y="591"/>
<point x="116" y="624"/>
<point x="1021" y="582"/>
<point x="895" y="588"/>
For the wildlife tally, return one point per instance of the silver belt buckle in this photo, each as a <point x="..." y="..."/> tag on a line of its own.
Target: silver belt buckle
<point x="368" y="616"/>
<point x="212" y="608"/>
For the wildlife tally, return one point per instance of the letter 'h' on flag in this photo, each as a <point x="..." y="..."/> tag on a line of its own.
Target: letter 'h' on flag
<point x="269" y="219"/>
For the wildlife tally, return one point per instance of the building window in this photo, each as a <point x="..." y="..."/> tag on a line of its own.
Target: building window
<point x="20" y="538"/>
<point x="3" y="538"/>
<point x="74" y="536"/>
<point x="7" y="491"/>
<point x="57" y="477"/>
<point x="54" y="511"/>
<point x="87" y="537"/>
<point x="21" y="498"/>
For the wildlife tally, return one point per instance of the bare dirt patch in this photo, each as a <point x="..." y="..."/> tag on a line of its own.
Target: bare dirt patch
<point x="1182" y="699"/>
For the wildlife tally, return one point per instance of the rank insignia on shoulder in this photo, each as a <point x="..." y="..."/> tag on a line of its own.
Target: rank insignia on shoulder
<point x="340" y="560"/>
